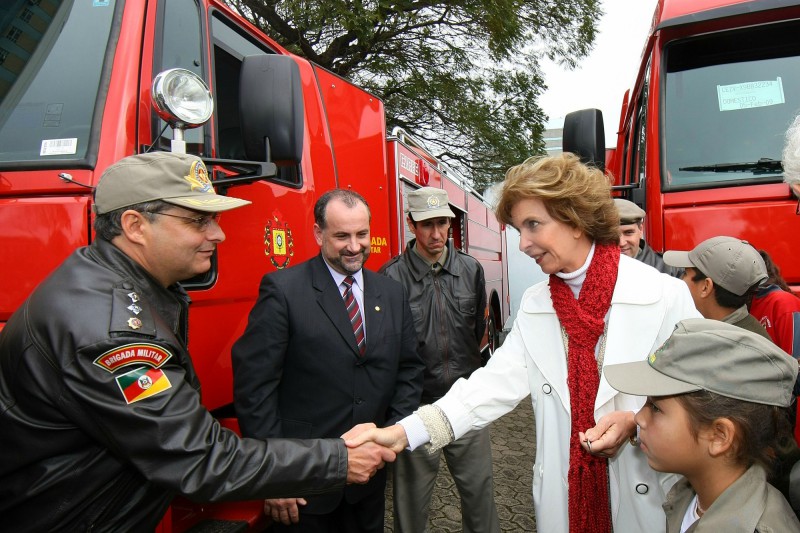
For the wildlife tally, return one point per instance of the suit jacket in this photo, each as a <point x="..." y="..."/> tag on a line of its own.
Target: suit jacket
<point x="298" y="372"/>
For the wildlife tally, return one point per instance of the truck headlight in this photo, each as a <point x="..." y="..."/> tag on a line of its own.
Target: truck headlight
<point x="182" y="98"/>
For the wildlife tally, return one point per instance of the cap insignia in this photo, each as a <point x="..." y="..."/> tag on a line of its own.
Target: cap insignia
<point x="198" y="178"/>
<point x="433" y="202"/>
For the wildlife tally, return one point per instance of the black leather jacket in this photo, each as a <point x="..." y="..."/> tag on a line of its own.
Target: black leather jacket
<point x="101" y="421"/>
<point x="449" y="308"/>
<point x="648" y="256"/>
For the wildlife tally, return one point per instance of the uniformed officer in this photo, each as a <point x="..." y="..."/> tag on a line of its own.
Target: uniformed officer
<point x="631" y="240"/>
<point x="101" y="421"/>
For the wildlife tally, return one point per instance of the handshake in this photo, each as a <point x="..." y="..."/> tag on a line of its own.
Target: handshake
<point x="369" y="448"/>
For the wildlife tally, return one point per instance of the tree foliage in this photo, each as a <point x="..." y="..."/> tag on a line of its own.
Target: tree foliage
<point x="463" y="76"/>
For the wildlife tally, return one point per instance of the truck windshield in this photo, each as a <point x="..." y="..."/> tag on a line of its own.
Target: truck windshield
<point x="51" y="62"/>
<point x="729" y="98"/>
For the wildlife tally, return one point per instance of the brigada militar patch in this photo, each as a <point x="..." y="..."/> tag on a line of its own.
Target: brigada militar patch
<point x="133" y="354"/>
<point x="142" y="383"/>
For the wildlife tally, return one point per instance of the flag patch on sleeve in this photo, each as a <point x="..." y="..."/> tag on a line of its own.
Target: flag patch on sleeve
<point x="141" y="383"/>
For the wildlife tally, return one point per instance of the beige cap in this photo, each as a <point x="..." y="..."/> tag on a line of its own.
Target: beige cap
<point x="428" y="202"/>
<point x="629" y="212"/>
<point x="731" y="263"/>
<point x="179" y="179"/>
<point x="703" y="354"/>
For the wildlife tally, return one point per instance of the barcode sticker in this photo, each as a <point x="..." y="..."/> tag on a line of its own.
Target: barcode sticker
<point x="59" y="146"/>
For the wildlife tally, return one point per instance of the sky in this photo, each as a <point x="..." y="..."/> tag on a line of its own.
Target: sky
<point x="601" y="79"/>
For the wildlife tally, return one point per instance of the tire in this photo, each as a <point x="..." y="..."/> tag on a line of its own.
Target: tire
<point x="494" y="338"/>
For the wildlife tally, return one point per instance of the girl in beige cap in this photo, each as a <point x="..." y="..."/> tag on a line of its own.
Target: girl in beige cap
<point x="716" y="395"/>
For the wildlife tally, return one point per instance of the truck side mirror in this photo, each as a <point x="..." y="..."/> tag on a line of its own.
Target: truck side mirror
<point x="271" y="108"/>
<point x="585" y="137"/>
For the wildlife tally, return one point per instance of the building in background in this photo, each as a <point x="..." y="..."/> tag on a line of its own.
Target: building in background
<point x="552" y="137"/>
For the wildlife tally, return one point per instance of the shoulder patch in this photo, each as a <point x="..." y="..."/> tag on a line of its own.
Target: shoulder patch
<point x="142" y="383"/>
<point x="133" y="354"/>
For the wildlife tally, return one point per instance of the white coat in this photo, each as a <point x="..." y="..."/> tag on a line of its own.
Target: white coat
<point x="645" y="307"/>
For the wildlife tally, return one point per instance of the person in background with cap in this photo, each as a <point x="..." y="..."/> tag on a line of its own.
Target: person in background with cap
<point x="631" y="240"/>
<point x="101" y="422"/>
<point x="447" y="292"/>
<point x="777" y="308"/>
<point x="714" y="415"/>
<point x="723" y="273"/>
<point x="328" y="344"/>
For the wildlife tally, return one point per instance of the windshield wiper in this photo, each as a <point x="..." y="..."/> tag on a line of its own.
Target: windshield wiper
<point x="764" y="165"/>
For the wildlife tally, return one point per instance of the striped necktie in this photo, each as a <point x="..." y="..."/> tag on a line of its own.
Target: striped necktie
<point x="354" y="313"/>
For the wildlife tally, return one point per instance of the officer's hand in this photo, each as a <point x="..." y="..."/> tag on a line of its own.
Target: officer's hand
<point x="364" y="460"/>
<point x="284" y="510"/>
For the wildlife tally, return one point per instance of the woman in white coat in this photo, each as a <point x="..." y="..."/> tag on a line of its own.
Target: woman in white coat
<point x="598" y="307"/>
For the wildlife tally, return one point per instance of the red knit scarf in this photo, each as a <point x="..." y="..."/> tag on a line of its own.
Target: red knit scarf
<point x="582" y="319"/>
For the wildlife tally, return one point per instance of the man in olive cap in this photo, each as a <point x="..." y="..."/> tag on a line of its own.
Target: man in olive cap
<point x="102" y="422"/>
<point x="722" y="274"/>
<point x="447" y="293"/>
<point x="631" y="239"/>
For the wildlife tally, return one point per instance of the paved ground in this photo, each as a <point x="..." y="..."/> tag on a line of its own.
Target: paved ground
<point x="512" y="450"/>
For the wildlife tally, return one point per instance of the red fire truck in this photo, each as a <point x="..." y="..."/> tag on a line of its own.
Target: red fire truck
<point x="83" y="84"/>
<point x="701" y="131"/>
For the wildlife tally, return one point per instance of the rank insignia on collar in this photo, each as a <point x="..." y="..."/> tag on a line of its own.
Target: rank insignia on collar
<point x="133" y="296"/>
<point x="134" y="323"/>
<point x="135" y="309"/>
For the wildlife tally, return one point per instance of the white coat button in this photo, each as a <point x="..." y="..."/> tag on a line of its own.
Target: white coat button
<point x="641" y="488"/>
<point x="546" y="388"/>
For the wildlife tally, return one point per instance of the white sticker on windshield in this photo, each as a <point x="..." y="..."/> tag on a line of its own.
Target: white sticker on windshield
<point x="750" y="94"/>
<point x="59" y="146"/>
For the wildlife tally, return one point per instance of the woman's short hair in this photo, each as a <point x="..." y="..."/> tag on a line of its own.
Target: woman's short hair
<point x="573" y="193"/>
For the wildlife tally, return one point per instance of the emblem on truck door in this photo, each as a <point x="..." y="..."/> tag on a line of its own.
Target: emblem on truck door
<point x="278" y="242"/>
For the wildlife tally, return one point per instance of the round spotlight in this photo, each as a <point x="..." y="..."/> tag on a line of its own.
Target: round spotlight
<point x="182" y="98"/>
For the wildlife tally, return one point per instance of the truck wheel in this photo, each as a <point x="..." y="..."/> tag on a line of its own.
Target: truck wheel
<point x="494" y="339"/>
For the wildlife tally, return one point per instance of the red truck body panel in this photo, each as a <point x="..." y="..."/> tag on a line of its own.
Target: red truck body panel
<point x="760" y="209"/>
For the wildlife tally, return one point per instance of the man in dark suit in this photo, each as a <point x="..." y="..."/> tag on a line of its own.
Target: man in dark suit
<point x="328" y="345"/>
